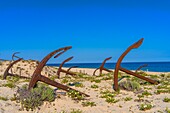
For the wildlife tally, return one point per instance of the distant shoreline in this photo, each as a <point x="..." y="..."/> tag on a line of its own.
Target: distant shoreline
<point x="152" y="66"/>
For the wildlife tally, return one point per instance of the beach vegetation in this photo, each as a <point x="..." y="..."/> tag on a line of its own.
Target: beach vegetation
<point x="75" y="95"/>
<point x="3" y="98"/>
<point x="146" y="93"/>
<point x="162" y="91"/>
<point x="53" y="77"/>
<point x="96" y="80"/>
<point x="130" y="85"/>
<point x="13" y="79"/>
<point x="109" y="96"/>
<point x="107" y="77"/>
<point x="166" y="99"/>
<point x="79" y="85"/>
<point x="148" y="88"/>
<point x="63" y="111"/>
<point x="76" y="111"/>
<point x="64" y="81"/>
<point x="35" y="97"/>
<point x="111" y="100"/>
<point x="94" y="86"/>
<point x="9" y="84"/>
<point x="163" y="87"/>
<point x="167" y="110"/>
<point x="88" y="103"/>
<point x="144" y="107"/>
<point x="128" y="99"/>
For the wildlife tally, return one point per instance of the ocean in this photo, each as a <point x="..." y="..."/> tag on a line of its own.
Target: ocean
<point x="152" y="66"/>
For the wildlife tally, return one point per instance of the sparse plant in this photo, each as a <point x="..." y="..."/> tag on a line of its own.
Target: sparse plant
<point x="79" y="85"/>
<point x="9" y="84"/>
<point x="111" y="100"/>
<point x="75" y="95"/>
<point x="166" y="99"/>
<point x="109" y="96"/>
<point x="91" y="104"/>
<point x="167" y="110"/>
<point x="144" y="107"/>
<point x="146" y="93"/>
<point x="94" y="86"/>
<point x="162" y="91"/>
<point x="128" y="99"/>
<point x="96" y="80"/>
<point x="3" y="98"/>
<point x="64" y="81"/>
<point x="76" y="111"/>
<point x="53" y="77"/>
<point x="13" y="79"/>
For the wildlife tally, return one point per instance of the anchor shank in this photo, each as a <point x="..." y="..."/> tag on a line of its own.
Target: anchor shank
<point x="58" y="85"/>
<point x="137" y="75"/>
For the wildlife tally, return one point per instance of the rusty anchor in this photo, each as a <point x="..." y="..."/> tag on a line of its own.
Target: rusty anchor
<point x="6" y="73"/>
<point x="38" y="77"/>
<point x="68" y="70"/>
<point x="65" y="71"/>
<point x="101" y="68"/>
<point x="140" y="67"/>
<point x="14" y="56"/>
<point x="118" y="66"/>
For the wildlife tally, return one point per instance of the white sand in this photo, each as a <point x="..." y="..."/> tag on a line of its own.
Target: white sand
<point x="65" y="103"/>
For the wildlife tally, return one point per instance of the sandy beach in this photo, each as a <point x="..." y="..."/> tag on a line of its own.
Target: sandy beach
<point x="96" y="86"/>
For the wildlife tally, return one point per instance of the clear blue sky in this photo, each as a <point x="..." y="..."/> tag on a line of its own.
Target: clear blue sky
<point x="96" y="29"/>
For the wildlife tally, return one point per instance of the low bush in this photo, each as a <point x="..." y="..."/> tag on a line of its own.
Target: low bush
<point x="35" y="97"/>
<point x="130" y="85"/>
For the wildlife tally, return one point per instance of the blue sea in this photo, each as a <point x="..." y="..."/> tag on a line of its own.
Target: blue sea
<point x="152" y="66"/>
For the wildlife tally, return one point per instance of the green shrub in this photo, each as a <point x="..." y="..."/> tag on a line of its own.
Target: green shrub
<point x="130" y="85"/>
<point x="35" y="97"/>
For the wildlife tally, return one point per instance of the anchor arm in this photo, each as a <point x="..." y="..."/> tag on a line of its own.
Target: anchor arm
<point x="9" y="67"/>
<point x="40" y="66"/>
<point x="61" y="65"/>
<point x="134" y="46"/>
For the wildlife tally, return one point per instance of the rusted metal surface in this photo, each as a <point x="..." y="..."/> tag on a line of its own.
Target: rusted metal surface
<point x="14" y="55"/>
<point x="101" y="68"/>
<point x="38" y="77"/>
<point x="118" y="66"/>
<point x="64" y="71"/>
<point x="68" y="70"/>
<point x="6" y="73"/>
<point x="142" y="66"/>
